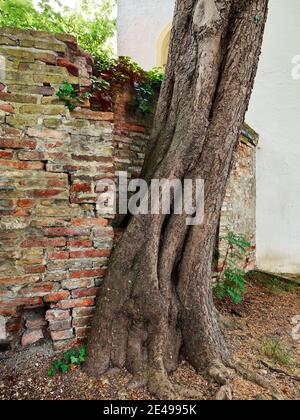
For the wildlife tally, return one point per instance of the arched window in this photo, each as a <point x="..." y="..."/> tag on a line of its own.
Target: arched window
<point x="163" y="44"/>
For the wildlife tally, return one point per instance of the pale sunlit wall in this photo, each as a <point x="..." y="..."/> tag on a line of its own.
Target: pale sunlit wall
<point x="275" y="114"/>
<point x="140" y="24"/>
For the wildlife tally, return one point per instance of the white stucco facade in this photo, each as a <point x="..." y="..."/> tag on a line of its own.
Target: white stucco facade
<point x="140" y="24"/>
<point x="274" y="113"/>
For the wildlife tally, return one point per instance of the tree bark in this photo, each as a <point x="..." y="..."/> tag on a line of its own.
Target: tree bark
<point x="156" y="303"/>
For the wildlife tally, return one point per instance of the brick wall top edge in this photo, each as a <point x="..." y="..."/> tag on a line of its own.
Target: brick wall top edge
<point x="25" y="33"/>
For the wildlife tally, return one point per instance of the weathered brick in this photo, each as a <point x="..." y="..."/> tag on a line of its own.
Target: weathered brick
<point x="99" y="221"/>
<point x="92" y="115"/>
<point x="38" y="289"/>
<point x="9" y="164"/>
<point x="75" y="303"/>
<point x="25" y="203"/>
<point x="15" y="143"/>
<point x="83" y="312"/>
<point x="90" y="253"/>
<point x="72" y="68"/>
<point x="82" y="322"/>
<point x="25" y="301"/>
<point x="62" y="335"/>
<point x="7" y="108"/>
<point x="59" y="255"/>
<point x="80" y="293"/>
<point x="19" y="280"/>
<point x="77" y="284"/>
<point x="54" y="315"/>
<point x="35" y="269"/>
<point x="56" y="297"/>
<point x="45" y="194"/>
<point x="79" y="243"/>
<point x="44" y="243"/>
<point x="96" y="272"/>
<point x="31" y="337"/>
<point x="60" y="325"/>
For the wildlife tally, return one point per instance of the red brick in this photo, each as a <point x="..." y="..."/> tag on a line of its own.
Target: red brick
<point x="79" y="243"/>
<point x="75" y="303"/>
<point x="13" y="325"/>
<point x="6" y="154"/>
<point x="90" y="253"/>
<point x="66" y="232"/>
<point x="25" y="301"/>
<point x="7" y="108"/>
<point x="25" y="203"/>
<point x="82" y="322"/>
<point x="19" y="280"/>
<point x="35" y="269"/>
<point x="7" y="310"/>
<point x="80" y="293"/>
<point x="60" y="325"/>
<point x="36" y="166"/>
<point x="43" y="243"/>
<point x="56" y="297"/>
<point x="90" y="222"/>
<point x="88" y="158"/>
<point x="78" y="284"/>
<point x="12" y="131"/>
<point x="62" y="335"/>
<point x="37" y="289"/>
<point x="57" y="183"/>
<point x="72" y="68"/>
<point x="32" y="155"/>
<point x="53" y="315"/>
<point x="31" y="337"/>
<point x="59" y="255"/>
<point x="54" y="145"/>
<point x="6" y="143"/>
<point x="44" y="193"/>
<point x="80" y="188"/>
<point x="83" y="312"/>
<point x="87" y="273"/>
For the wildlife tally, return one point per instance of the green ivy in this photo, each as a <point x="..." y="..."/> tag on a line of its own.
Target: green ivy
<point x="70" y="358"/>
<point x="232" y="280"/>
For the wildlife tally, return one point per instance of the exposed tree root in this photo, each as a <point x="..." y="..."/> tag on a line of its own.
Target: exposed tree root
<point x="280" y="371"/>
<point x="258" y="380"/>
<point x="223" y="375"/>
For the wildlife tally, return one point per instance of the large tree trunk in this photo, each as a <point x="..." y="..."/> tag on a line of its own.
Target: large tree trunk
<point x="156" y="302"/>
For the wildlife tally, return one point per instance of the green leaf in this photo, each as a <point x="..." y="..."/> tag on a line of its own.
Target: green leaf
<point x="51" y="373"/>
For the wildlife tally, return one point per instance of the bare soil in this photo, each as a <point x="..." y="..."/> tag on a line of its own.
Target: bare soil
<point x="264" y="315"/>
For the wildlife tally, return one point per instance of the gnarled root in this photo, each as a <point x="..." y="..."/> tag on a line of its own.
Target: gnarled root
<point x="258" y="380"/>
<point x="223" y="375"/>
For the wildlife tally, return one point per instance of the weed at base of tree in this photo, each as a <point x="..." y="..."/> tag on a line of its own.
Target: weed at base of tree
<point x="231" y="281"/>
<point x="71" y="358"/>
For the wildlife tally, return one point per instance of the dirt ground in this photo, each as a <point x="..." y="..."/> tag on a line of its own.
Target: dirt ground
<point x="264" y="317"/>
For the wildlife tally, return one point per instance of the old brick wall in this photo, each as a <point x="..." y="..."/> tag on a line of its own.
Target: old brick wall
<point x="54" y="240"/>
<point x="239" y="207"/>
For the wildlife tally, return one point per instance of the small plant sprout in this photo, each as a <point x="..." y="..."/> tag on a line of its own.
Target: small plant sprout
<point x="232" y="279"/>
<point x="71" y="359"/>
